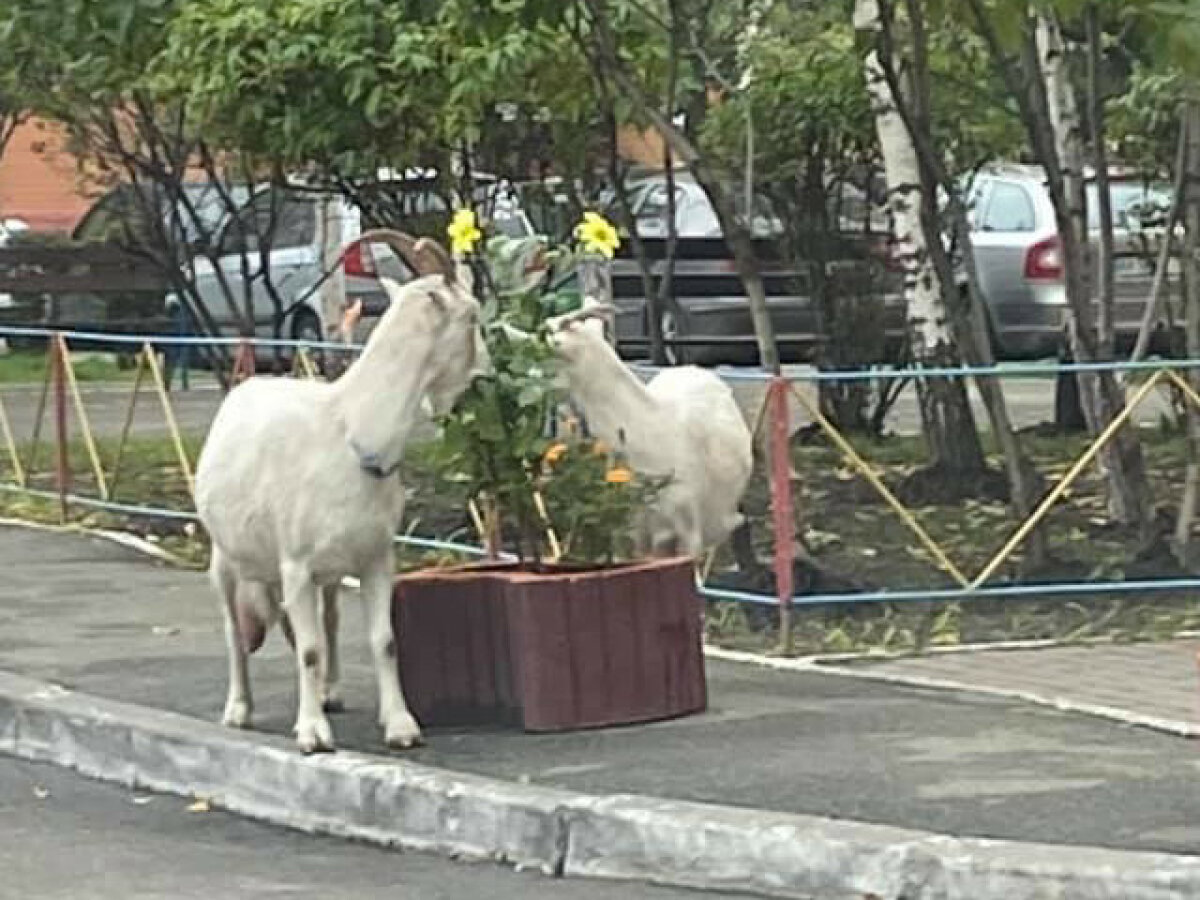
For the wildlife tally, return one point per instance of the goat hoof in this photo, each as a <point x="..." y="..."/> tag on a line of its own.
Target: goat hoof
<point x="402" y="733"/>
<point x="237" y="714"/>
<point x="315" y="736"/>
<point x="333" y="704"/>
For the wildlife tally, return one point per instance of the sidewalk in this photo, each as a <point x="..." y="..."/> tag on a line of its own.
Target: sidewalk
<point x="98" y="618"/>
<point x="1152" y="684"/>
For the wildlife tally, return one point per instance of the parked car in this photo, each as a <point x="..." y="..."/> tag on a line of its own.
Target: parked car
<point x="709" y="321"/>
<point x="1015" y="245"/>
<point x="8" y="229"/>
<point x="1018" y="256"/>
<point x="295" y="255"/>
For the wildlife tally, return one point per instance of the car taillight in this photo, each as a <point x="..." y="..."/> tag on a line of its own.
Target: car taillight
<point x="1043" y="261"/>
<point x="359" y="261"/>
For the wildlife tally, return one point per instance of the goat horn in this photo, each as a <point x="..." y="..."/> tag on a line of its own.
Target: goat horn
<point x="405" y="245"/>
<point x="442" y="263"/>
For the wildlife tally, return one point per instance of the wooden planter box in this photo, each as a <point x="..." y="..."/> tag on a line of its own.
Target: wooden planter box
<point x="550" y="650"/>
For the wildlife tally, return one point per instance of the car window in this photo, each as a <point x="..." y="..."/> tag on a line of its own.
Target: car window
<point x="284" y="222"/>
<point x="654" y="203"/>
<point x="1009" y="209"/>
<point x="1134" y="205"/>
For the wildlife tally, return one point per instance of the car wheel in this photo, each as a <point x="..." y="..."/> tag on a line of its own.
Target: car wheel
<point x="307" y="327"/>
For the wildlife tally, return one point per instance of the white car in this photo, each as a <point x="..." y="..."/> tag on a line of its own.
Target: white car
<point x="295" y="258"/>
<point x="9" y="228"/>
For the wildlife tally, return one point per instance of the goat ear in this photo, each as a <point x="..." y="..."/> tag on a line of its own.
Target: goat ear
<point x="438" y="300"/>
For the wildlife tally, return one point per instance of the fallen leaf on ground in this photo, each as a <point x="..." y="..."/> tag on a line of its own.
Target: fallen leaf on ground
<point x="142" y="801"/>
<point x="40" y="792"/>
<point x="200" y="806"/>
<point x="164" y="630"/>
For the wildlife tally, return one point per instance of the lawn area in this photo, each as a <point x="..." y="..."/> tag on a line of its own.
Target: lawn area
<point x="29" y="367"/>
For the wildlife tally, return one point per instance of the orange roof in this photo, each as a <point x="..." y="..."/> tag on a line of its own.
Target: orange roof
<point x="39" y="179"/>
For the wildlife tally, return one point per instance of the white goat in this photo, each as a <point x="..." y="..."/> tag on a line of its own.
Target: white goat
<point x="683" y="424"/>
<point x="297" y="488"/>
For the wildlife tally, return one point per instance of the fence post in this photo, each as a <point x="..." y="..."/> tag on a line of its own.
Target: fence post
<point x="81" y="418"/>
<point x="781" y="506"/>
<point x="63" y="464"/>
<point x="172" y="424"/>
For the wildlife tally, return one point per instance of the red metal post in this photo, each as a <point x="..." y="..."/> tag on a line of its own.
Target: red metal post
<point x="58" y="350"/>
<point x="781" y="505"/>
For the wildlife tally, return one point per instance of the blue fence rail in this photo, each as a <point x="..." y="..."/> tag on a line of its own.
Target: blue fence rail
<point x="923" y="595"/>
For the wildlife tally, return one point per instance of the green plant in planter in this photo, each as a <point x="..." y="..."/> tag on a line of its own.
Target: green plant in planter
<point x="593" y="497"/>
<point x="548" y="499"/>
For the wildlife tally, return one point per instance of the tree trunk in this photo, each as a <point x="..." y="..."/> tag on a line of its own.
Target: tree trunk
<point x="741" y="245"/>
<point x="1150" y="316"/>
<point x="333" y="290"/>
<point x="711" y="181"/>
<point x="966" y="306"/>
<point x="1054" y="108"/>
<point x="948" y="423"/>
<point x="1105" y="259"/>
<point x="844" y="403"/>
<point x="1191" y="255"/>
<point x="658" y="354"/>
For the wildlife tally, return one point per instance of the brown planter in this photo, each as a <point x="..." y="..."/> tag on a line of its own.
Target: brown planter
<point x="550" y="650"/>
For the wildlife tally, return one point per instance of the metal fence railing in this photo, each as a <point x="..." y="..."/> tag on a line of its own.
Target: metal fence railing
<point x="924" y="552"/>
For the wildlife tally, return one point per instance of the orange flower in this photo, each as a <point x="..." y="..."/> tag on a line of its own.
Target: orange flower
<point x="619" y="475"/>
<point x="555" y="453"/>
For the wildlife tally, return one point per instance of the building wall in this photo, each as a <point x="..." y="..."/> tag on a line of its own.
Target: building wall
<point x="38" y="180"/>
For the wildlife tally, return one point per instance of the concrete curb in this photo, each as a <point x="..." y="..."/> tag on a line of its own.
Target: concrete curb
<point x="395" y="803"/>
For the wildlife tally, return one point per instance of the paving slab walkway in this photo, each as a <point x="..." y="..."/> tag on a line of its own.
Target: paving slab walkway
<point x="1150" y="683"/>
<point x="102" y="619"/>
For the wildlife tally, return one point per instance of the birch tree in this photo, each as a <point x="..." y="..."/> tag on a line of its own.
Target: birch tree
<point x="1033" y="66"/>
<point x="908" y="74"/>
<point x="948" y="423"/>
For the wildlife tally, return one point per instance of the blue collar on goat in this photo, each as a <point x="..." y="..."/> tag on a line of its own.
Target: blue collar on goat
<point x="372" y="463"/>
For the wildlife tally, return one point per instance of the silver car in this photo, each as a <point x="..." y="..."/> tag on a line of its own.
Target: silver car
<point x="294" y="217"/>
<point x="1018" y="256"/>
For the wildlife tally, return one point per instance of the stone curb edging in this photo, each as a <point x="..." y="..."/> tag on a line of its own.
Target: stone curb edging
<point x="396" y="803"/>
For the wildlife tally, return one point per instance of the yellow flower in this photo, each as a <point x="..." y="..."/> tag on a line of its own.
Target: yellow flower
<point x="463" y="231"/>
<point x="619" y="475"/>
<point x="597" y="235"/>
<point x="555" y="453"/>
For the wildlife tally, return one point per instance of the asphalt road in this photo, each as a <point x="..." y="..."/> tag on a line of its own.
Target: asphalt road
<point x="1031" y="401"/>
<point x="63" y="837"/>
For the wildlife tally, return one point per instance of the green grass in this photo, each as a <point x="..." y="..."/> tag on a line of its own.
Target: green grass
<point x="29" y="367"/>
